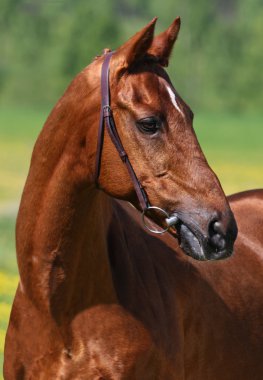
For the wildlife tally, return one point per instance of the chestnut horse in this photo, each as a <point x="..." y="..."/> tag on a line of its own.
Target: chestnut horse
<point x="100" y="297"/>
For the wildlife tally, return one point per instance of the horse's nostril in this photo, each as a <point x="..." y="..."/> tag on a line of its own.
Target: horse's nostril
<point x="216" y="235"/>
<point x="217" y="227"/>
<point x="218" y="241"/>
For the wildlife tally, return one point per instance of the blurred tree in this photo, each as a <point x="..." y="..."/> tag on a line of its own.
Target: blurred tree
<point x="92" y="28"/>
<point x="47" y="42"/>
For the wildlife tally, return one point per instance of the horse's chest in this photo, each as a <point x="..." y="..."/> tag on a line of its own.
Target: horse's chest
<point x="108" y="343"/>
<point x="105" y="343"/>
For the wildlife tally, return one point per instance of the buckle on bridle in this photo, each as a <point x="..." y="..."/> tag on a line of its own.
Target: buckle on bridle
<point x="152" y="227"/>
<point x="106" y="111"/>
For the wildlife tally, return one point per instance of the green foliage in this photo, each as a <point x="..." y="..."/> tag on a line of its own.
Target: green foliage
<point x="8" y="276"/>
<point x="232" y="144"/>
<point x="8" y="283"/>
<point x="217" y="60"/>
<point x="18" y="130"/>
<point x="46" y="43"/>
<point x="7" y="245"/>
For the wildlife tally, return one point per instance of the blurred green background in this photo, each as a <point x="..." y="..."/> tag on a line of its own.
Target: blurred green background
<point x="216" y="67"/>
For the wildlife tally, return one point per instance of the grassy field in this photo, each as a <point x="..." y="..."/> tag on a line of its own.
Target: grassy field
<point x="233" y="145"/>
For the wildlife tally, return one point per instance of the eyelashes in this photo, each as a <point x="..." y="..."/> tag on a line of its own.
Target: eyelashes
<point x="149" y="125"/>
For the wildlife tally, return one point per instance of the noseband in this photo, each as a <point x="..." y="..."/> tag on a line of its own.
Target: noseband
<point x="106" y="117"/>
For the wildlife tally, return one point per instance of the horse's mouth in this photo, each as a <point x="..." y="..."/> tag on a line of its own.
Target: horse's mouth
<point x="195" y="245"/>
<point x="190" y="243"/>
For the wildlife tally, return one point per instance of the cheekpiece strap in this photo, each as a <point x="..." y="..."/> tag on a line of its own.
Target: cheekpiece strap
<point x="106" y="117"/>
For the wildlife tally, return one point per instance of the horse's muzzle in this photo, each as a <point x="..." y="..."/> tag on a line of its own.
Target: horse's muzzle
<point x="216" y="244"/>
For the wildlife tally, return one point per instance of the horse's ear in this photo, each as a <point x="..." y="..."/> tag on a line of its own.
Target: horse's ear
<point x="162" y="44"/>
<point x="136" y="47"/>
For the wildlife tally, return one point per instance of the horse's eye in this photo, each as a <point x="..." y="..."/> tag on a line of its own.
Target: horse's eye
<point x="148" y="125"/>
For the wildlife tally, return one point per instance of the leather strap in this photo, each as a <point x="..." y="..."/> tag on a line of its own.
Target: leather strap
<point x="106" y="117"/>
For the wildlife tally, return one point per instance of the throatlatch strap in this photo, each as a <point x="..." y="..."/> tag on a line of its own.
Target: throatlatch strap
<point x="107" y="117"/>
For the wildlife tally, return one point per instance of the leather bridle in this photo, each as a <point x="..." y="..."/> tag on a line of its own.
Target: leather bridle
<point x="106" y="117"/>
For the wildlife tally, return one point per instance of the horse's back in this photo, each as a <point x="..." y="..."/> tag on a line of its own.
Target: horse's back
<point x="248" y="199"/>
<point x="248" y="210"/>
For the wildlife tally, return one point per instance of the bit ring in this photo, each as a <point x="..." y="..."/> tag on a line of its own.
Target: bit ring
<point x="148" y="226"/>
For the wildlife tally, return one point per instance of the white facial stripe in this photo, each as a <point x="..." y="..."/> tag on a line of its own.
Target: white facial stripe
<point x="173" y="99"/>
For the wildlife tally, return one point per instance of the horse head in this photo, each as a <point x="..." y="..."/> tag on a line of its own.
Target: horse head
<point x="155" y="127"/>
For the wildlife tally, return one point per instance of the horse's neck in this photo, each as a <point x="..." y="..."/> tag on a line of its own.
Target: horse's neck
<point x="62" y="226"/>
<point x="62" y="248"/>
